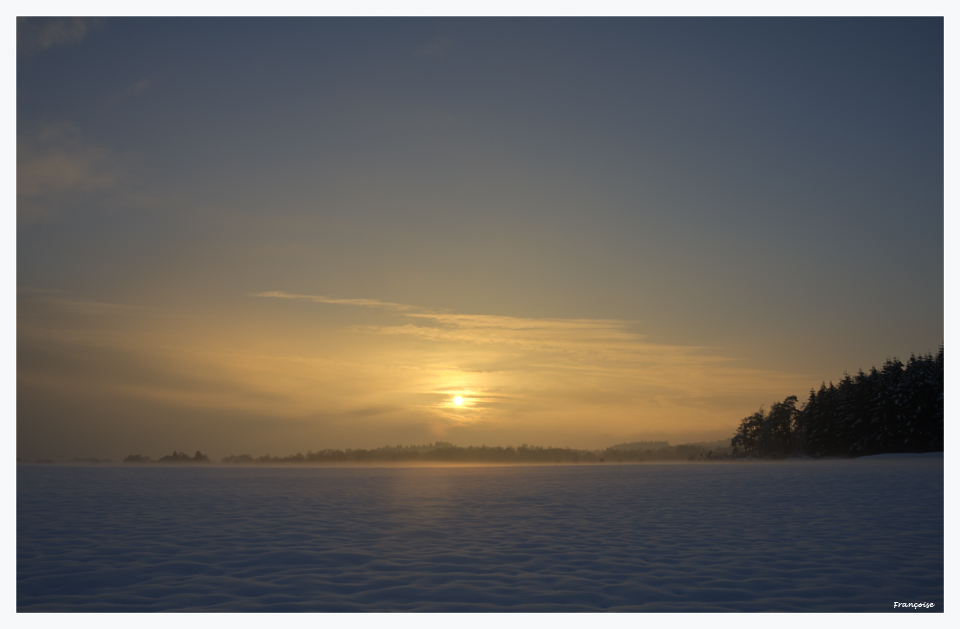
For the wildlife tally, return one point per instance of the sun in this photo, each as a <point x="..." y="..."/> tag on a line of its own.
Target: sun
<point x="458" y="400"/>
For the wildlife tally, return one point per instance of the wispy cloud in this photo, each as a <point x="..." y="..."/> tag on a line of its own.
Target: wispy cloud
<point x="541" y="334"/>
<point x="93" y="308"/>
<point x="138" y="87"/>
<point x="577" y="353"/>
<point x="36" y="34"/>
<point x="530" y="334"/>
<point x="54" y="161"/>
<point x="520" y="378"/>
<point x="365" y="303"/>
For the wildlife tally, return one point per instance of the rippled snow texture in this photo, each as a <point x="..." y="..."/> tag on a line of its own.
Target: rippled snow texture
<point x="850" y="535"/>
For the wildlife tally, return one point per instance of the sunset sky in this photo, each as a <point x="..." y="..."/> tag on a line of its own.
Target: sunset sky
<point x="281" y="235"/>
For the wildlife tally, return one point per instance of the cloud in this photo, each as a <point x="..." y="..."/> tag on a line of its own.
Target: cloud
<point x="541" y="380"/>
<point x="37" y="34"/>
<point x="134" y="89"/>
<point x="610" y="339"/>
<point x="54" y="163"/>
<point x="93" y="349"/>
<point x="531" y="334"/>
<point x="568" y="354"/>
<point x="365" y="303"/>
<point x="76" y="306"/>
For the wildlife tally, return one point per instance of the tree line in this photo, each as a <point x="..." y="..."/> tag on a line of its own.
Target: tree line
<point x="898" y="408"/>
<point x="445" y="452"/>
<point x="442" y="451"/>
<point x="176" y="457"/>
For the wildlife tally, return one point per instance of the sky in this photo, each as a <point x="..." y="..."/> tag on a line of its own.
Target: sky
<point x="246" y="235"/>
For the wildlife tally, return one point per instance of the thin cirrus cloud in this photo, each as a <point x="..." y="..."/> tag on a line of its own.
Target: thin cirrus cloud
<point x="561" y="350"/>
<point x="609" y="336"/>
<point x="54" y="163"/>
<point x="39" y="34"/>
<point x="486" y="329"/>
<point x="92" y="349"/>
<point x="320" y="299"/>
<point x="134" y="89"/>
<point x="61" y="300"/>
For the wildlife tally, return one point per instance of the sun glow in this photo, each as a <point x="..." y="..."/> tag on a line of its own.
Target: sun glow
<point x="458" y="400"/>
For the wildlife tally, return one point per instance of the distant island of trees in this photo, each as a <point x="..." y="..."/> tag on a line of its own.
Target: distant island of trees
<point x="897" y="409"/>
<point x="176" y="457"/>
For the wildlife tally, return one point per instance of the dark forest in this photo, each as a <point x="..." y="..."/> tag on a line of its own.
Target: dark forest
<point x="898" y="408"/>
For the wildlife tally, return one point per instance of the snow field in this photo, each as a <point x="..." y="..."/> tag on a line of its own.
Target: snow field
<point x="805" y="536"/>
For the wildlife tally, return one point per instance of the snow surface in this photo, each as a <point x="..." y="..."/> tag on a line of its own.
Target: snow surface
<point x="825" y="536"/>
